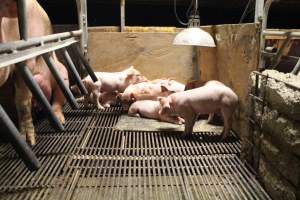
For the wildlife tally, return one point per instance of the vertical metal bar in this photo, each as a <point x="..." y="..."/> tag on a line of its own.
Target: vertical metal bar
<point x="66" y="91"/>
<point x="83" y="24"/>
<point x="22" y="19"/>
<point x="296" y="68"/>
<point x="259" y="10"/>
<point x="19" y="143"/>
<point x="73" y="71"/>
<point x="266" y="9"/>
<point x="122" y="7"/>
<point x="38" y="94"/>
<point x="85" y="63"/>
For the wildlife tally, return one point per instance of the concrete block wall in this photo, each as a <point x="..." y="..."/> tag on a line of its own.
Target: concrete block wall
<point x="273" y="149"/>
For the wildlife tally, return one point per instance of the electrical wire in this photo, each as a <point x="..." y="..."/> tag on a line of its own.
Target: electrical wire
<point x="245" y="11"/>
<point x="177" y="17"/>
<point x="188" y="12"/>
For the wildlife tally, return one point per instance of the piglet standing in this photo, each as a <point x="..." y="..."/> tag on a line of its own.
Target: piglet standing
<point x="109" y="82"/>
<point x="151" y="109"/>
<point x="210" y="98"/>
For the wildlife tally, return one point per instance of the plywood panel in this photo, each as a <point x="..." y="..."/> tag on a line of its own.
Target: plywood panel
<point x="151" y="53"/>
<point x="232" y="61"/>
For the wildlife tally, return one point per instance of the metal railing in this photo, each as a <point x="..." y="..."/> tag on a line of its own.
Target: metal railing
<point x="261" y="15"/>
<point x="19" y="51"/>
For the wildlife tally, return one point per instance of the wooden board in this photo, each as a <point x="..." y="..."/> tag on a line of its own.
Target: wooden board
<point x="231" y="62"/>
<point x="150" y="52"/>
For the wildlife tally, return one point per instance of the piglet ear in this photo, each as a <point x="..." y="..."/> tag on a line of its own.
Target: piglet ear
<point x="164" y="88"/>
<point x="129" y="77"/>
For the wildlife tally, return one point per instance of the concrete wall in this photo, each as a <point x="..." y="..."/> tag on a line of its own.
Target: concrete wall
<point x="275" y="148"/>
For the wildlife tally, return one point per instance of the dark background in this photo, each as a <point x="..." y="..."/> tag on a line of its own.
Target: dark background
<point x="284" y="14"/>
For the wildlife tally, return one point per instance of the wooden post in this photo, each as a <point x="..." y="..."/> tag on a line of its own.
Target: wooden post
<point x="122" y="6"/>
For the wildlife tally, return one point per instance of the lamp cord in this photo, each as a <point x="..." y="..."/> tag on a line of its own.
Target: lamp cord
<point x="188" y="12"/>
<point x="177" y="17"/>
<point x="245" y="11"/>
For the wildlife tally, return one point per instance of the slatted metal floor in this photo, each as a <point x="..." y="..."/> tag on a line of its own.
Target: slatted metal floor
<point x="90" y="160"/>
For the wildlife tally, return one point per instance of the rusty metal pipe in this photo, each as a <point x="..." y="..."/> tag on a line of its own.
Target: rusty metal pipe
<point x="66" y="91"/>
<point x="73" y="71"/>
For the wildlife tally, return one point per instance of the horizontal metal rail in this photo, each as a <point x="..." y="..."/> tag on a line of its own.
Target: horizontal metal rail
<point x="292" y="34"/>
<point x="37" y="41"/>
<point x="19" y="56"/>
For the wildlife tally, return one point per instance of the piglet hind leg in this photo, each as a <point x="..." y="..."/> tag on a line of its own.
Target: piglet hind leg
<point x="227" y="113"/>
<point x="133" y="112"/>
<point x="23" y="105"/>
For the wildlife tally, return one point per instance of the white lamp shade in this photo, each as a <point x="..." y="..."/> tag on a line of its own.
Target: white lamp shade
<point x="194" y="36"/>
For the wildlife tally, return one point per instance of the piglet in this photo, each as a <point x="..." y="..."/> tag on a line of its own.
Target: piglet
<point x="109" y="82"/>
<point x="150" y="90"/>
<point x="151" y="109"/>
<point x="210" y="98"/>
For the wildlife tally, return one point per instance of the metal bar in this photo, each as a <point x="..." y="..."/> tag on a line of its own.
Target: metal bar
<point x="275" y="60"/>
<point x="22" y="19"/>
<point x="74" y="72"/>
<point x="296" y="68"/>
<point x="20" y="56"/>
<point x="256" y="98"/>
<point x="262" y="61"/>
<point x="122" y="7"/>
<point x="259" y="9"/>
<point x="83" y="24"/>
<point x="19" y="143"/>
<point x="66" y="91"/>
<point x="37" y="41"/>
<point x="86" y="63"/>
<point x="292" y="34"/>
<point x="38" y="94"/>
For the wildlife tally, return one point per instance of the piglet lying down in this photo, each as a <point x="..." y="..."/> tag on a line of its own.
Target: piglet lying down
<point x="151" y="109"/>
<point x="210" y="98"/>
